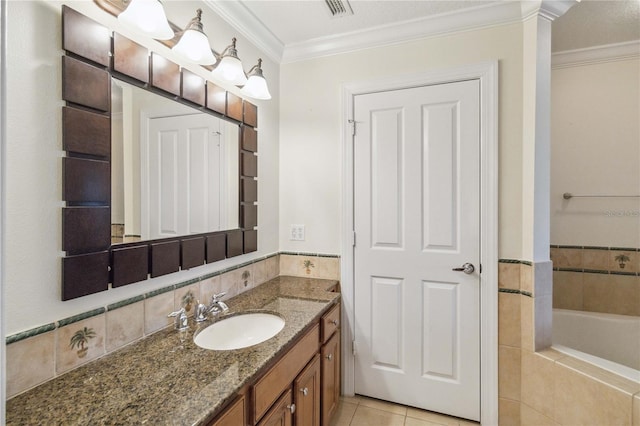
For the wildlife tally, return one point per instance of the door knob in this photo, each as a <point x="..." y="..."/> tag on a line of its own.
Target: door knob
<point x="467" y="268"/>
<point x="329" y="357"/>
<point x="304" y="391"/>
<point x="292" y="408"/>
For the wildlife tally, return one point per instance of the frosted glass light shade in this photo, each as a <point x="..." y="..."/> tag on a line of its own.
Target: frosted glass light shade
<point x="194" y="46"/>
<point x="147" y="17"/>
<point x="256" y="88"/>
<point x="230" y="70"/>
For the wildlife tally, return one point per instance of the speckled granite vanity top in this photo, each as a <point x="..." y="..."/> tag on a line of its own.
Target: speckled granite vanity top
<point x="167" y="379"/>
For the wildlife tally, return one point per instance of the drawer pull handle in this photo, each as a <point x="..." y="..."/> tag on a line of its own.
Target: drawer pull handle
<point x="329" y="357"/>
<point x="334" y="322"/>
<point x="292" y="408"/>
<point x="304" y="391"/>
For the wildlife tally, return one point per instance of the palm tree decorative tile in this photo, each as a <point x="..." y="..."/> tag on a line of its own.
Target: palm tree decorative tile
<point x="81" y="339"/>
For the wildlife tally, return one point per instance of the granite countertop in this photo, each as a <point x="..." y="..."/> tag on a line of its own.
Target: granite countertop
<point x="165" y="378"/>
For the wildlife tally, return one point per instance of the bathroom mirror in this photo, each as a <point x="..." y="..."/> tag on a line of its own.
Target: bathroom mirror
<point x="174" y="169"/>
<point x="208" y="209"/>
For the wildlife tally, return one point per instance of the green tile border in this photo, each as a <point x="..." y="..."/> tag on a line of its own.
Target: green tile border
<point x="306" y="254"/>
<point x="629" y="274"/>
<point x="560" y="246"/>
<point x="624" y="249"/>
<point x="81" y="317"/>
<point x="513" y="291"/>
<point x="509" y="261"/>
<point x="30" y="333"/>
<point x="123" y="303"/>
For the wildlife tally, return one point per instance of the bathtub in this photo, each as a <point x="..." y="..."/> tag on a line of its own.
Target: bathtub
<point x="609" y="341"/>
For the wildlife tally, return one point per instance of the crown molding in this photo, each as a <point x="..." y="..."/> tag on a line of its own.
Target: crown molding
<point x="596" y="55"/>
<point x="497" y="13"/>
<point x="484" y="16"/>
<point x="250" y="27"/>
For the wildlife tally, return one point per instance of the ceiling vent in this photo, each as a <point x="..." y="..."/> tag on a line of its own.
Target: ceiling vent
<point x="339" y="8"/>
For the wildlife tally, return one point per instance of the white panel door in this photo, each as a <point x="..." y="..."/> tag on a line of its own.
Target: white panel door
<point x="417" y="217"/>
<point x="185" y="171"/>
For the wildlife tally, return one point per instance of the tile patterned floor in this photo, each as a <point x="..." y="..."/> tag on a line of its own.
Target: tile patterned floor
<point x="363" y="411"/>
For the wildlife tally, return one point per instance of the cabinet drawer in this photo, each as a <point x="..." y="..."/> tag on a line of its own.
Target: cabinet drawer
<point x="330" y="323"/>
<point x="280" y="377"/>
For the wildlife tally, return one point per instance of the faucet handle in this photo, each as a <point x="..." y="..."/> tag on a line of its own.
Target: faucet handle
<point x="182" y="321"/>
<point x="216" y="297"/>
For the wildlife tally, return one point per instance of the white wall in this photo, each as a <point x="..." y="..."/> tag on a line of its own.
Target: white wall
<point x="34" y="166"/>
<point x="311" y="119"/>
<point x="596" y="150"/>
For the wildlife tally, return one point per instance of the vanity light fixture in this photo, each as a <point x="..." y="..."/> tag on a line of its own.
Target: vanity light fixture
<point x="230" y="68"/>
<point x="256" y="86"/>
<point x="147" y="17"/>
<point x="194" y="44"/>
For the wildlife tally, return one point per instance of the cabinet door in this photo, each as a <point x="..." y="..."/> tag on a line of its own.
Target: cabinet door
<point x="233" y="416"/>
<point x="330" y="378"/>
<point x="281" y="414"/>
<point x="306" y="395"/>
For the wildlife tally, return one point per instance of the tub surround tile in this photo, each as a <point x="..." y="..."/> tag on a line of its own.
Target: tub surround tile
<point x="543" y="316"/>
<point x="596" y="259"/>
<point x="531" y="417"/>
<point x="538" y="375"/>
<point x="509" y="318"/>
<point x="166" y="364"/>
<point x="566" y="257"/>
<point x="602" y="376"/>
<point x="636" y="410"/>
<point x="526" y="278"/>
<point x="542" y="279"/>
<point x="509" y="275"/>
<point x="509" y="372"/>
<point x="79" y="343"/>
<point x="39" y="351"/>
<point x="583" y="400"/>
<point x="124" y="325"/>
<point x="527" y="323"/>
<point x="508" y="412"/>
<point x="567" y="290"/>
<point x="624" y="260"/>
<point x="616" y="294"/>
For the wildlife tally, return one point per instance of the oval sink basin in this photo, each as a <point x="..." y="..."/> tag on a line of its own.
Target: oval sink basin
<point x="240" y="331"/>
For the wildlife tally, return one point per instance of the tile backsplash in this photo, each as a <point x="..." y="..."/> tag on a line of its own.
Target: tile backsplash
<point x="38" y="355"/>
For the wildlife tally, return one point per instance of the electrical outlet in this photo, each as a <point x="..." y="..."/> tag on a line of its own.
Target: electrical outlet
<point x="296" y="233"/>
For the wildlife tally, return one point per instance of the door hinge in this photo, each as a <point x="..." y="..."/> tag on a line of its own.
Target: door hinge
<point x="353" y="126"/>
<point x="353" y="238"/>
<point x="353" y="347"/>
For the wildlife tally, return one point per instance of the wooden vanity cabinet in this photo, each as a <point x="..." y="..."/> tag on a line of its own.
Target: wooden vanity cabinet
<point x="235" y="415"/>
<point x="330" y="378"/>
<point x="302" y="388"/>
<point x="306" y="395"/>
<point x="280" y="413"/>
<point x="330" y="364"/>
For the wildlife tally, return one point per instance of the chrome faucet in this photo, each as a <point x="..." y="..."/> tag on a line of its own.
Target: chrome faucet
<point x="181" y="321"/>
<point x="217" y="306"/>
<point x="201" y="312"/>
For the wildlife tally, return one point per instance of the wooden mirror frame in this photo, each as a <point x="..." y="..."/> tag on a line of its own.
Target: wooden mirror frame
<point x="92" y="56"/>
